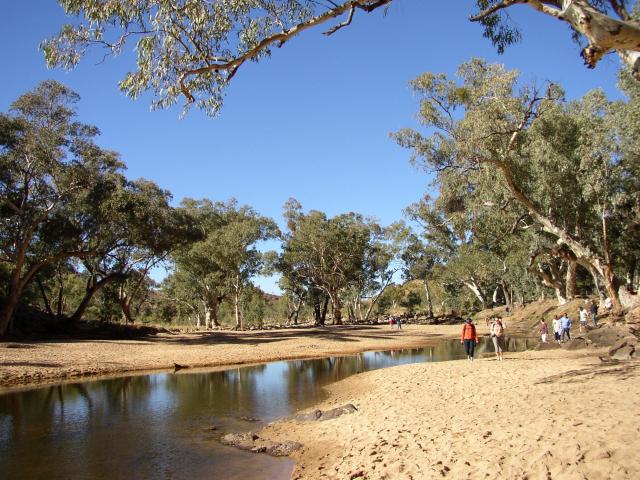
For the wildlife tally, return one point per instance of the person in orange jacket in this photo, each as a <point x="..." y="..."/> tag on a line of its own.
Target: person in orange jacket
<point x="469" y="338"/>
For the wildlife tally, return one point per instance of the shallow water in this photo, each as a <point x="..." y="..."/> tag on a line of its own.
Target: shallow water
<point x="158" y="426"/>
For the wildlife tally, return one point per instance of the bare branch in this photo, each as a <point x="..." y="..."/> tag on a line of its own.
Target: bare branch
<point x="337" y="27"/>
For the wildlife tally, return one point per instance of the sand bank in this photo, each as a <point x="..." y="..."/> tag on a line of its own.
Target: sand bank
<point x="536" y="415"/>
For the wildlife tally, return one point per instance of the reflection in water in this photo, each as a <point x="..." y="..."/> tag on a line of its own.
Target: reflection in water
<point x="158" y="426"/>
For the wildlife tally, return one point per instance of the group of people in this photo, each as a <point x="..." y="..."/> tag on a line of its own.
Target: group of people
<point x="561" y="328"/>
<point x="469" y="336"/>
<point x="562" y="325"/>
<point x="397" y="321"/>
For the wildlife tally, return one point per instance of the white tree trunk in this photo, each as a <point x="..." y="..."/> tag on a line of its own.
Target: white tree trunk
<point x="471" y="285"/>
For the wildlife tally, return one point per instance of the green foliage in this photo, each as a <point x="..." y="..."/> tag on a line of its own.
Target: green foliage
<point x="345" y="258"/>
<point x="518" y="167"/>
<point x="221" y="263"/>
<point x="173" y="39"/>
<point x="194" y="48"/>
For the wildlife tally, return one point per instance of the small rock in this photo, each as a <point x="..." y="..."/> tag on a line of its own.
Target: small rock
<point x="320" y="415"/>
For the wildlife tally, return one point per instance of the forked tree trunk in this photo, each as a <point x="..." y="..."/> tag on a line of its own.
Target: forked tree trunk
<point x="45" y="299"/>
<point x="211" y="306"/>
<point x="508" y="298"/>
<point x="297" y="305"/>
<point x="91" y="289"/>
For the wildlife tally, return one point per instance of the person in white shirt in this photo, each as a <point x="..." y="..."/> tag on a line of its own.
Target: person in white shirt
<point x="557" y="328"/>
<point x="583" y="319"/>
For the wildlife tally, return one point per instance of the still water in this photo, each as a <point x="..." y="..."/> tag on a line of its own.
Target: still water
<point x="160" y="426"/>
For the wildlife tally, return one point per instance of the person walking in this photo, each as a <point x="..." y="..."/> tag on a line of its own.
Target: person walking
<point x="594" y="313"/>
<point x="582" y="313"/>
<point x="399" y="323"/>
<point x="544" y="330"/>
<point x="497" y="336"/>
<point x="557" y="328"/>
<point x="565" y="322"/>
<point x="469" y="338"/>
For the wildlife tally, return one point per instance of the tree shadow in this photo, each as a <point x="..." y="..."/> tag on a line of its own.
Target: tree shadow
<point x="29" y="364"/>
<point x="338" y="334"/>
<point x="621" y="372"/>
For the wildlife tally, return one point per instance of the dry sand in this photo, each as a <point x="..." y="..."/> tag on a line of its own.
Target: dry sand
<point x="28" y="364"/>
<point x="536" y="415"/>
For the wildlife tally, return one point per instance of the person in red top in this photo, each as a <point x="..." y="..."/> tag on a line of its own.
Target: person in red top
<point x="469" y="338"/>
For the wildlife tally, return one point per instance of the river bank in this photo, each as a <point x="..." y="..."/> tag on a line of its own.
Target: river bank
<point x="537" y="414"/>
<point x="24" y="365"/>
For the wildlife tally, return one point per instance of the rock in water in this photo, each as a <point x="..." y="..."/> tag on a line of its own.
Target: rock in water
<point x="253" y="443"/>
<point x="243" y="441"/>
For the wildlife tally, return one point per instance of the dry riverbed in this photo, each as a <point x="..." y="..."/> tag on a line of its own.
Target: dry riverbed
<point x="28" y="364"/>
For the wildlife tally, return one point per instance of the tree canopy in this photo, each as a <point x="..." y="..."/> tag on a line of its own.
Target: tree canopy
<point x="192" y="49"/>
<point x="566" y="165"/>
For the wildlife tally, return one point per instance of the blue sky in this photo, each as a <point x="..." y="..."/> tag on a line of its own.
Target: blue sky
<point x="313" y="121"/>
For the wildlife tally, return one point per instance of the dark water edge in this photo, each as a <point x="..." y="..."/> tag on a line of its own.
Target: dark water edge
<point x="159" y="425"/>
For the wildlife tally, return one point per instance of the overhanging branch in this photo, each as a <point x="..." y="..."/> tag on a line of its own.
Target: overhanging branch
<point x="231" y="65"/>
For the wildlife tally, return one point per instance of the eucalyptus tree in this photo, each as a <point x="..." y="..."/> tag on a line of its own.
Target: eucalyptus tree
<point x="149" y="229"/>
<point x="559" y="161"/>
<point x="48" y="164"/>
<point x="419" y="260"/>
<point x="237" y="251"/>
<point x="193" y="48"/>
<point x="326" y="255"/>
<point x="220" y="265"/>
<point x="196" y="269"/>
<point x="626" y="122"/>
<point x="381" y="260"/>
<point x="178" y="291"/>
<point x="294" y="295"/>
<point x="133" y="228"/>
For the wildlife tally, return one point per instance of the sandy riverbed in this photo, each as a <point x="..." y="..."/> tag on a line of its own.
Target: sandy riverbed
<point x="28" y="364"/>
<point x="536" y="415"/>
